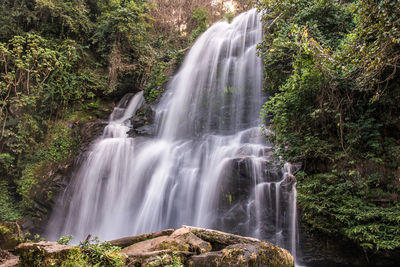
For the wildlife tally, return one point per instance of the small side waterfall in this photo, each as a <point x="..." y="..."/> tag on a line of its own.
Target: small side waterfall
<point x="209" y="164"/>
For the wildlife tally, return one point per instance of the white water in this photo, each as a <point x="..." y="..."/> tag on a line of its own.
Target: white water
<point x="208" y="165"/>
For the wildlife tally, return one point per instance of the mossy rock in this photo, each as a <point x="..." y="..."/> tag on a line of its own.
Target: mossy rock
<point x="44" y="253"/>
<point x="250" y="255"/>
<point x="10" y="235"/>
<point x="199" y="247"/>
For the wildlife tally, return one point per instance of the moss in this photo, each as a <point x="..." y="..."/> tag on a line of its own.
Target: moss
<point x="166" y="260"/>
<point x="32" y="257"/>
<point x="10" y="235"/>
<point x="173" y="246"/>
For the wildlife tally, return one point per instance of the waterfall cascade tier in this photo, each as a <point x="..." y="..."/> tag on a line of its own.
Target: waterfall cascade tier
<point x="209" y="164"/>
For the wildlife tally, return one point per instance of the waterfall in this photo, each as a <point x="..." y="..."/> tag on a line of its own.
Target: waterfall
<point x="209" y="164"/>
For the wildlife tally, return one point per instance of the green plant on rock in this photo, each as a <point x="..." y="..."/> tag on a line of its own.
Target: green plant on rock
<point x="201" y="16"/>
<point x="156" y="80"/>
<point x="64" y="240"/>
<point x="167" y="261"/>
<point x="101" y="254"/>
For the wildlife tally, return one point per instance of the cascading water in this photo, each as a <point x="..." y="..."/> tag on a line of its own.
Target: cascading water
<point x="208" y="165"/>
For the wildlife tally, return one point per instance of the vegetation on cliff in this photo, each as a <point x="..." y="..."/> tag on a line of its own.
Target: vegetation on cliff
<point x="331" y="68"/>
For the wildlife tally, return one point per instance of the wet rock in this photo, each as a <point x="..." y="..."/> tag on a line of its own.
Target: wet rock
<point x="89" y="131"/>
<point x="146" y="130"/>
<point x="234" y="190"/>
<point x="10" y="235"/>
<point x="142" y="122"/>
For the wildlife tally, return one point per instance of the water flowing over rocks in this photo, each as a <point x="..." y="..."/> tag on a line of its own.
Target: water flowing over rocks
<point x="197" y="157"/>
<point x="143" y="122"/>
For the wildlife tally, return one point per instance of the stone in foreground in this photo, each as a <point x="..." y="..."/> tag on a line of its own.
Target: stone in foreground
<point x="43" y="253"/>
<point x="186" y="246"/>
<point x="200" y="247"/>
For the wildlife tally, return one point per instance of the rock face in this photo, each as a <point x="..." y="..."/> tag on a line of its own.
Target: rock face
<point x="194" y="246"/>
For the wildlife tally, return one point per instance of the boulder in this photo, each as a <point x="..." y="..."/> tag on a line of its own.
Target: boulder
<point x="181" y="243"/>
<point x="43" y="253"/>
<point x="237" y="251"/>
<point x="250" y="254"/>
<point x="195" y="246"/>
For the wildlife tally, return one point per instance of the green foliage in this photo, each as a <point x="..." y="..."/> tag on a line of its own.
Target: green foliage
<point x="229" y="16"/>
<point x="101" y="254"/>
<point x="6" y="161"/>
<point x="75" y="258"/>
<point x="64" y="240"/>
<point x="334" y="93"/>
<point x="156" y="80"/>
<point x="90" y="253"/>
<point x="336" y="204"/>
<point x="9" y="211"/>
<point x="124" y="23"/>
<point x="200" y="16"/>
<point x="62" y="18"/>
<point x="60" y="147"/>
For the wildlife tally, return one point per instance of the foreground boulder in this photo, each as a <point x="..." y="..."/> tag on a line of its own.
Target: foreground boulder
<point x="43" y="253"/>
<point x="194" y="246"/>
<point x="186" y="246"/>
